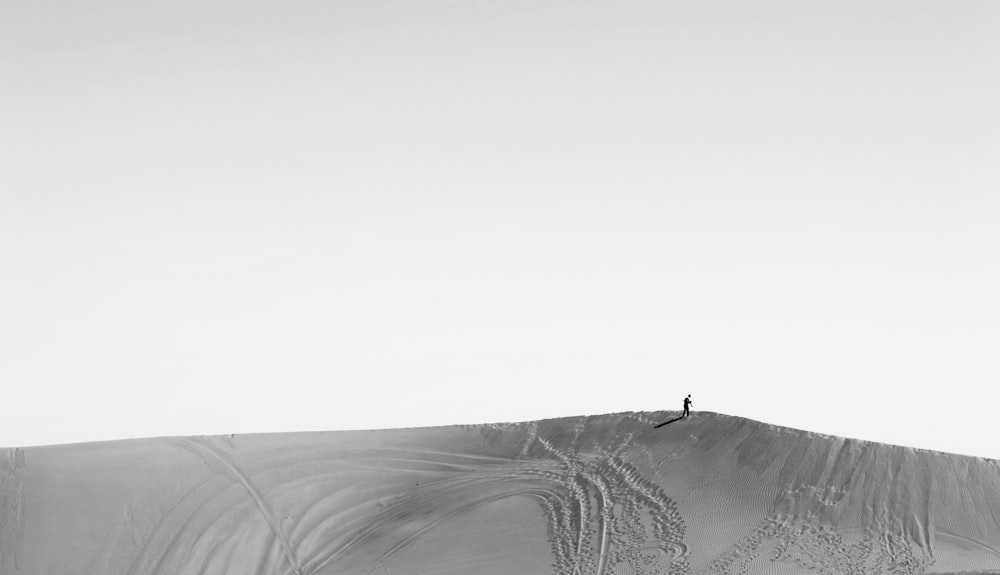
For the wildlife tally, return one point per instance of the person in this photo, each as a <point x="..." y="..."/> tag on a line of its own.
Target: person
<point x="687" y="406"/>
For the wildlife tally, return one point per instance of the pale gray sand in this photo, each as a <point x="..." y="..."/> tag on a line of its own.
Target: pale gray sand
<point x="587" y="495"/>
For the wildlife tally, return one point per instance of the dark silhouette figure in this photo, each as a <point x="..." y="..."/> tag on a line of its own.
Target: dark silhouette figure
<point x="687" y="413"/>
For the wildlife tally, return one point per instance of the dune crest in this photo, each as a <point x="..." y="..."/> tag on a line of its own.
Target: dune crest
<point x="596" y="495"/>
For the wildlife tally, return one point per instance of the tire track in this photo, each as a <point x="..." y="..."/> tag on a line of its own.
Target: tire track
<point x="265" y="509"/>
<point x="599" y="509"/>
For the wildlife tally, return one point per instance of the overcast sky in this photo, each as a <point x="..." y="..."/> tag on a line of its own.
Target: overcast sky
<point x="255" y="216"/>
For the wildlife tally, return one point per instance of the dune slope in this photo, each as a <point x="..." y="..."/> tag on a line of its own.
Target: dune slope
<point x="598" y="495"/>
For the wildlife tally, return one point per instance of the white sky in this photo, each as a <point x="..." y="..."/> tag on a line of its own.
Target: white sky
<point x="256" y="216"/>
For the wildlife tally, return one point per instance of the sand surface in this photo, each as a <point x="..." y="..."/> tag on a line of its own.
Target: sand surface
<point x="597" y="495"/>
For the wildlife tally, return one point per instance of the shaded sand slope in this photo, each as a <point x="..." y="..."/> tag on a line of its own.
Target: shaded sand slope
<point x="587" y="495"/>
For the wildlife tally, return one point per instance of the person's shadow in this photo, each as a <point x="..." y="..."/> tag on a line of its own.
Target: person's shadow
<point x="668" y="422"/>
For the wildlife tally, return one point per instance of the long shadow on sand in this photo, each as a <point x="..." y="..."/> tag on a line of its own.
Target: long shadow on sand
<point x="668" y="422"/>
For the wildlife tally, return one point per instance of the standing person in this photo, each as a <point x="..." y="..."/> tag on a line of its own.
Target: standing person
<point x="687" y="406"/>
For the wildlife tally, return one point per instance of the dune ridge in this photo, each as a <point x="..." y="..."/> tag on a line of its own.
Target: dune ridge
<point x="589" y="495"/>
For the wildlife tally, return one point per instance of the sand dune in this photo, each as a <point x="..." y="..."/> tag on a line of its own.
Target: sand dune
<point x="576" y="496"/>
